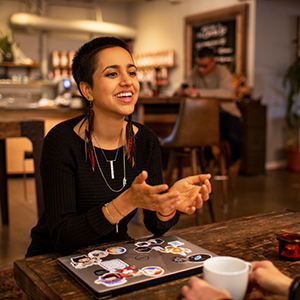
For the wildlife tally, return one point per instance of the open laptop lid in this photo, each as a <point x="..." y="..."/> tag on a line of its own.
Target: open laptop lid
<point x="120" y="269"/>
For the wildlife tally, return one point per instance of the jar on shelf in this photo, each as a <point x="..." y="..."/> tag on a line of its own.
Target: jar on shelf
<point x="64" y="61"/>
<point x="55" y="59"/>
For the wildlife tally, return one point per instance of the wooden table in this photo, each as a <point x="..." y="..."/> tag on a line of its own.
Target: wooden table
<point x="250" y="238"/>
<point x="16" y="127"/>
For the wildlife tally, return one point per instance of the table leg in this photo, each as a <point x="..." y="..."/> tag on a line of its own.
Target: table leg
<point x="3" y="183"/>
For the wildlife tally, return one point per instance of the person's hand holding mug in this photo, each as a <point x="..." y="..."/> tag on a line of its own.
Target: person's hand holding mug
<point x="271" y="282"/>
<point x="198" y="289"/>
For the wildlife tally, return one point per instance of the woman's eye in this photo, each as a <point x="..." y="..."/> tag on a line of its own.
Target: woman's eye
<point x="111" y="74"/>
<point x="132" y="73"/>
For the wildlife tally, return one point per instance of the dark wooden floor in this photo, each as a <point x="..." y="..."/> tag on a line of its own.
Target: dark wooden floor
<point x="274" y="190"/>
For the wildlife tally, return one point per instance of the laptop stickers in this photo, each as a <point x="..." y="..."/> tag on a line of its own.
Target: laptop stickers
<point x="114" y="270"/>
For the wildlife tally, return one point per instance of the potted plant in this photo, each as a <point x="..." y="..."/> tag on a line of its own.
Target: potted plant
<point x="6" y="47"/>
<point x="292" y="77"/>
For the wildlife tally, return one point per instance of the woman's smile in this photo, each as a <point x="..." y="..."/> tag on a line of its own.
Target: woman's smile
<point x="125" y="96"/>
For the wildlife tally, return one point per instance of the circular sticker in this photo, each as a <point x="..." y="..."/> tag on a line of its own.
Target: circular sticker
<point x="199" y="257"/>
<point x="116" y="250"/>
<point x="153" y="271"/>
<point x="97" y="254"/>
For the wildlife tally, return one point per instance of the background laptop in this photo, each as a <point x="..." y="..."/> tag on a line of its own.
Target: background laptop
<point x="120" y="269"/>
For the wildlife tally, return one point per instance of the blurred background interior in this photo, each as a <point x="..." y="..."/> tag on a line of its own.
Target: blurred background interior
<point x="37" y="42"/>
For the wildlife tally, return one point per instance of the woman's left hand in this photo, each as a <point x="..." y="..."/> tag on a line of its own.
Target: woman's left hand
<point x="192" y="195"/>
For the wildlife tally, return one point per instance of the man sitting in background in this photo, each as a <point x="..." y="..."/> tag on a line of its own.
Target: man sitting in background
<point x="211" y="80"/>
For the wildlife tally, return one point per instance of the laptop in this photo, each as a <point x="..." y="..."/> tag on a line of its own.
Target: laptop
<point x="140" y="264"/>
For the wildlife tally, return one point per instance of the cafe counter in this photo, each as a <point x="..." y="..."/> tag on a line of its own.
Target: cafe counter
<point x="160" y="114"/>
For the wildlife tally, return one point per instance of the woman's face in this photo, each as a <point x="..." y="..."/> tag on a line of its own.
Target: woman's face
<point x="115" y="84"/>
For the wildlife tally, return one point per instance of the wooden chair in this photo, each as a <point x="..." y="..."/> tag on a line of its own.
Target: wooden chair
<point x="33" y="130"/>
<point x="196" y="127"/>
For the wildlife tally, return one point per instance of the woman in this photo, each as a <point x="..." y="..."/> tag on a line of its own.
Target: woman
<point x="99" y="168"/>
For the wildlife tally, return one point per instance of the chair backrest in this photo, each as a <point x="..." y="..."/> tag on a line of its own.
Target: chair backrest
<point x="197" y="124"/>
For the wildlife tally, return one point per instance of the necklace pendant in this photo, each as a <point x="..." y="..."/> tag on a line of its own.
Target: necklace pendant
<point x="124" y="181"/>
<point x="112" y="171"/>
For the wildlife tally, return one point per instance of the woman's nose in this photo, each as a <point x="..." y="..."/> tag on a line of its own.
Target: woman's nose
<point x="126" y="80"/>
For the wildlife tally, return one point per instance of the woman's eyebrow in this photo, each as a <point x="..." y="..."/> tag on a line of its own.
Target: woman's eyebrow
<point x="117" y="67"/>
<point x="111" y="67"/>
<point x="131" y="65"/>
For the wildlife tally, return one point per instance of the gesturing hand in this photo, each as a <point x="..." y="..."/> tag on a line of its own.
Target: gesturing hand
<point x="143" y="195"/>
<point x="191" y="195"/>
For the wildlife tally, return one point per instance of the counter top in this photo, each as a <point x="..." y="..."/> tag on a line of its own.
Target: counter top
<point x="40" y="109"/>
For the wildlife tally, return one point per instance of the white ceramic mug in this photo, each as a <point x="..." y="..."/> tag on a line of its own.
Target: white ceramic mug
<point x="229" y="273"/>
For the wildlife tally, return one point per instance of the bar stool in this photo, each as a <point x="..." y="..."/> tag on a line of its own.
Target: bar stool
<point x="196" y="127"/>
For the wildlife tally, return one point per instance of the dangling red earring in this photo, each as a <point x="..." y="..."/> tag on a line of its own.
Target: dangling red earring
<point x="130" y="142"/>
<point x="89" y="153"/>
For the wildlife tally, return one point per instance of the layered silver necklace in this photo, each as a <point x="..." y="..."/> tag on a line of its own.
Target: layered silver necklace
<point x="111" y="162"/>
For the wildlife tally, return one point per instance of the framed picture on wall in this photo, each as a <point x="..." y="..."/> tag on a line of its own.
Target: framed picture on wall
<point x="223" y="30"/>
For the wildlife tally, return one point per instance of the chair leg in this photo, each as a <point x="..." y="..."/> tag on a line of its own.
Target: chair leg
<point x="224" y="179"/>
<point x="170" y="167"/>
<point x="194" y="162"/>
<point x="27" y="155"/>
<point x="199" y="211"/>
<point x="202" y="162"/>
<point x="3" y="184"/>
<point x="25" y="179"/>
<point x="180" y="167"/>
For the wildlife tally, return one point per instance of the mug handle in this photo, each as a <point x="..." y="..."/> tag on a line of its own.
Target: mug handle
<point x="250" y="267"/>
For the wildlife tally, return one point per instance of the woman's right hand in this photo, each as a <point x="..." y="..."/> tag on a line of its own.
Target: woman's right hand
<point x="143" y="195"/>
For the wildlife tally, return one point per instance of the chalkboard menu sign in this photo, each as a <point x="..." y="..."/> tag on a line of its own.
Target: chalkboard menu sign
<point x="220" y="36"/>
<point x="224" y="30"/>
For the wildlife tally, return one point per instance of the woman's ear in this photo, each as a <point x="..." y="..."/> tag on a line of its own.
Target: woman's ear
<point x="86" y="90"/>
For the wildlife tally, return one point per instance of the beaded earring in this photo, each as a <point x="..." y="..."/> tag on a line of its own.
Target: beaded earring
<point x="89" y="153"/>
<point x="130" y="145"/>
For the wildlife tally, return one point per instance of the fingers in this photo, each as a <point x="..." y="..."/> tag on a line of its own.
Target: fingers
<point x="208" y="185"/>
<point x="198" y="178"/>
<point x="141" y="178"/>
<point x="198" y="203"/>
<point x="147" y="189"/>
<point x="259" y="268"/>
<point x="189" y="210"/>
<point x="204" y="191"/>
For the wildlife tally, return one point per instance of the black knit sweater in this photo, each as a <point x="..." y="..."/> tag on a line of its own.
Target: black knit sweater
<point x="74" y="194"/>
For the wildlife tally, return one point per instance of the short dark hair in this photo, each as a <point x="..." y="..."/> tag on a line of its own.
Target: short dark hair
<point x="205" y="52"/>
<point x="85" y="64"/>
